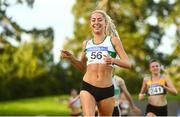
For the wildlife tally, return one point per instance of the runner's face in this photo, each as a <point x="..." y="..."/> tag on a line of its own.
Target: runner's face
<point x="97" y="23"/>
<point x="155" y="67"/>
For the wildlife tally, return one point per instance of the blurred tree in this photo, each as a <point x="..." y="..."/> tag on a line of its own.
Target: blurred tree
<point x="141" y="25"/>
<point x="9" y="28"/>
<point x="31" y="59"/>
<point x="26" y="67"/>
<point x="15" y="55"/>
<point x="173" y="70"/>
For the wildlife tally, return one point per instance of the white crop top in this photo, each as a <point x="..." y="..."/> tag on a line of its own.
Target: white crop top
<point x="95" y="52"/>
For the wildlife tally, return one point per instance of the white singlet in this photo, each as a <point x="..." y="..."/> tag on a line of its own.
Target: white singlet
<point x="95" y="53"/>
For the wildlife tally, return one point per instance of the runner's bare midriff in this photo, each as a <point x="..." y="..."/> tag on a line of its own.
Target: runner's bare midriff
<point x="99" y="75"/>
<point x="157" y="100"/>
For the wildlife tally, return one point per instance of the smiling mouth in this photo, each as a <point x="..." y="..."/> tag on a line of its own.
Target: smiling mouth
<point x="96" y="26"/>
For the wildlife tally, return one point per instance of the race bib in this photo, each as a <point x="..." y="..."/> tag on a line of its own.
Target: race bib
<point x="153" y="90"/>
<point x="96" y="54"/>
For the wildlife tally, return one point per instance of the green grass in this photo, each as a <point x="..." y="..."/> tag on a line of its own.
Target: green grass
<point x="50" y="105"/>
<point x="53" y="105"/>
<point x="173" y="98"/>
<point x="169" y="97"/>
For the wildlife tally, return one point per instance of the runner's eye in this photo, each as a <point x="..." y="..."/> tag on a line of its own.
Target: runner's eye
<point x="100" y="19"/>
<point x="93" y="20"/>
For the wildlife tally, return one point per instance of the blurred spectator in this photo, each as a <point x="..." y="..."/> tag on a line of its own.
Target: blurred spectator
<point x="124" y="105"/>
<point x="74" y="103"/>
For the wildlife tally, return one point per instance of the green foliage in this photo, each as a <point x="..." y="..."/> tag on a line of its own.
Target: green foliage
<point x="29" y="62"/>
<point x="173" y="73"/>
<point x="16" y="88"/>
<point x="20" y="65"/>
<point x="26" y="67"/>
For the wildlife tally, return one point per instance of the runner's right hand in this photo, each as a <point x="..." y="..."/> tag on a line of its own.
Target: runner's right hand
<point x="65" y="54"/>
<point x="141" y="97"/>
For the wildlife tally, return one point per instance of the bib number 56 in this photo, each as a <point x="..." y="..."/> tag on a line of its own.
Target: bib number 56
<point x="95" y="55"/>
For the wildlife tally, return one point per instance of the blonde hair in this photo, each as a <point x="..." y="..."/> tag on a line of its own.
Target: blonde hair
<point x="110" y="27"/>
